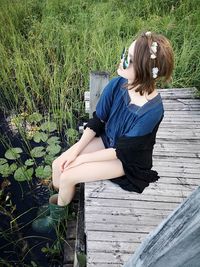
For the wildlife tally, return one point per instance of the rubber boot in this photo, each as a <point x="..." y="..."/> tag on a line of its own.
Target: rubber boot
<point x="49" y="223"/>
<point x="44" y="209"/>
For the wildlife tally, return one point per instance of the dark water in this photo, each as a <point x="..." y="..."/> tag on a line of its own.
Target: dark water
<point x="21" y="246"/>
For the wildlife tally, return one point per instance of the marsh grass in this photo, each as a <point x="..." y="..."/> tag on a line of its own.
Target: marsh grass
<point x="48" y="48"/>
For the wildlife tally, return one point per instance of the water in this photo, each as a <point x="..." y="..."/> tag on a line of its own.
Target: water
<point x="19" y="244"/>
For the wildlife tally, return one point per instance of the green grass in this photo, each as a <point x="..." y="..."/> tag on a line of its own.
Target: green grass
<point x="48" y="48"/>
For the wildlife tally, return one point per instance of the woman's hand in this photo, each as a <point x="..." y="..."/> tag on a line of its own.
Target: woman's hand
<point x="78" y="161"/>
<point x="67" y="158"/>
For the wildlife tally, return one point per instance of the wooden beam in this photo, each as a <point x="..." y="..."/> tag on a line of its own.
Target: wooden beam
<point x="176" y="241"/>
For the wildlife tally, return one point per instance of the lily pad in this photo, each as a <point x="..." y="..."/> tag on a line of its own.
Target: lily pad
<point x="5" y="170"/>
<point x="40" y="136"/>
<point x="53" y="140"/>
<point x="48" y="126"/>
<point x="49" y="158"/>
<point x="53" y="149"/>
<point x="23" y="174"/>
<point x="13" y="167"/>
<point x="43" y="172"/>
<point x="3" y="161"/>
<point x="13" y="153"/>
<point x="29" y="162"/>
<point x="37" y="152"/>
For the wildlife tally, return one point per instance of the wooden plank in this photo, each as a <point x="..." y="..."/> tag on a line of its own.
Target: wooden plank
<point x="101" y="257"/>
<point x="155" y="198"/>
<point x="112" y="246"/>
<point x="187" y="164"/>
<point x="143" y="219"/>
<point x="150" y="193"/>
<point x="124" y="211"/>
<point x="115" y="237"/>
<point x="188" y="155"/>
<point x="172" y="189"/>
<point x="131" y="204"/>
<point x="118" y="227"/>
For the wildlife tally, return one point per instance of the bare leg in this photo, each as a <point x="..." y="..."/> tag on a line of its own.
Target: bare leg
<point x="87" y="172"/>
<point x="95" y="145"/>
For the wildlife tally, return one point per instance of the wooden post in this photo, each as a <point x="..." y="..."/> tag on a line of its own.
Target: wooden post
<point x="98" y="80"/>
<point x="175" y="242"/>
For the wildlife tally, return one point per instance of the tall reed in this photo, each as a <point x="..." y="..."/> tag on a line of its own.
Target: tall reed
<point x="48" y="48"/>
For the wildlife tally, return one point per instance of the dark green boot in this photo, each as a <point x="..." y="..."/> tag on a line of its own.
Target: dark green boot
<point x="44" y="209"/>
<point x="49" y="223"/>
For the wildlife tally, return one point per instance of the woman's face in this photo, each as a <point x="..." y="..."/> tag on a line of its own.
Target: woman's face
<point x="128" y="73"/>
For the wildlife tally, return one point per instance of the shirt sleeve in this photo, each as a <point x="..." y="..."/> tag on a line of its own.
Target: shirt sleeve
<point x="95" y="124"/>
<point x="146" y="123"/>
<point x="106" y="99"/>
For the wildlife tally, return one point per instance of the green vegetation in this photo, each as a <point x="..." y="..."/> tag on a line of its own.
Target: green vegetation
<point x="48" y="48"/>
<point x="39" y="142"/>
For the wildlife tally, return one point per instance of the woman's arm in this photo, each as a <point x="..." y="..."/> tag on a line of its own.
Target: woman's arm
<point x="100" y="155"/>
<point x="87" y="136"/>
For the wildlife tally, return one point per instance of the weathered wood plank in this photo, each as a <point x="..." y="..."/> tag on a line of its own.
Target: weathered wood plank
<point x="115" y="237"/>
<point x="113" y="246"/>
<point x="101" y="202"/>
<point x="172" y="189"/>
<point x="188" y="155"/>
<point x="101" y="257"/>
<point x="155" y="198"/>
<point x="117" y="227"/>
<point x="124" y="211"/>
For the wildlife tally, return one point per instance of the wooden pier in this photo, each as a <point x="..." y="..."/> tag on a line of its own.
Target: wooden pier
<point x="116" y="221"/>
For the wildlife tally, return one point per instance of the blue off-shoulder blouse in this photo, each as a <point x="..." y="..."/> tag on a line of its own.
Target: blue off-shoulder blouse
<point x="123" y="118"/>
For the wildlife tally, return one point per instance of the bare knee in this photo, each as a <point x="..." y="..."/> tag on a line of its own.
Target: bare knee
<point x="55" y="163"/>
<point x="67" y="180"/>
<point x="55" y="173"/>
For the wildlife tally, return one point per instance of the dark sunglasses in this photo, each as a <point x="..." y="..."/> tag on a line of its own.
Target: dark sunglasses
<point x="126" y="60"/>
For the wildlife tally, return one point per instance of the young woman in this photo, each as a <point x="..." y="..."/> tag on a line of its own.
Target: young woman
<point x="117" y="142"/>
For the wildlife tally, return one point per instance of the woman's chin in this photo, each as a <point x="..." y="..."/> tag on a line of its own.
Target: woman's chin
<point x="119" y="72"/>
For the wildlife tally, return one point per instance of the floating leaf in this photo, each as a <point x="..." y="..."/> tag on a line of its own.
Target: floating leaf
<point x="49" y="126"/>
<point x="40" y="136"/>
<point x="13" y="153"/>
<point x="53" y="140"/>
<point x="13" y="167"/>
<point x="3" y="161"/>
<point x="29" y="162"/>
<point x="43" y="172"/>
<point x="53" y="149"/>
<point x="35" y="117"/>
<point x="49" y="158"/>
<point x="23" y="174"/>
<point x="37" y="152"/>
<point x="5" y="170"/>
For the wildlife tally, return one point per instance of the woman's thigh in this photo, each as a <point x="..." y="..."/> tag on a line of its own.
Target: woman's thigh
<point x="93" y="171"/>
<point x="94" y="145"/>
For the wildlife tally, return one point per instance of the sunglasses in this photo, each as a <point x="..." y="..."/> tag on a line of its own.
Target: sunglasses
<point x="126" y="59"/>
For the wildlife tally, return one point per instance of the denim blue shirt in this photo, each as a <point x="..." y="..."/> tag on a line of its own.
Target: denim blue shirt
<point x="123" y="118"/>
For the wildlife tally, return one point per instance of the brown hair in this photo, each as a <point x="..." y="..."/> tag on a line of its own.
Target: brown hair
<point x="143" y="63"/>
